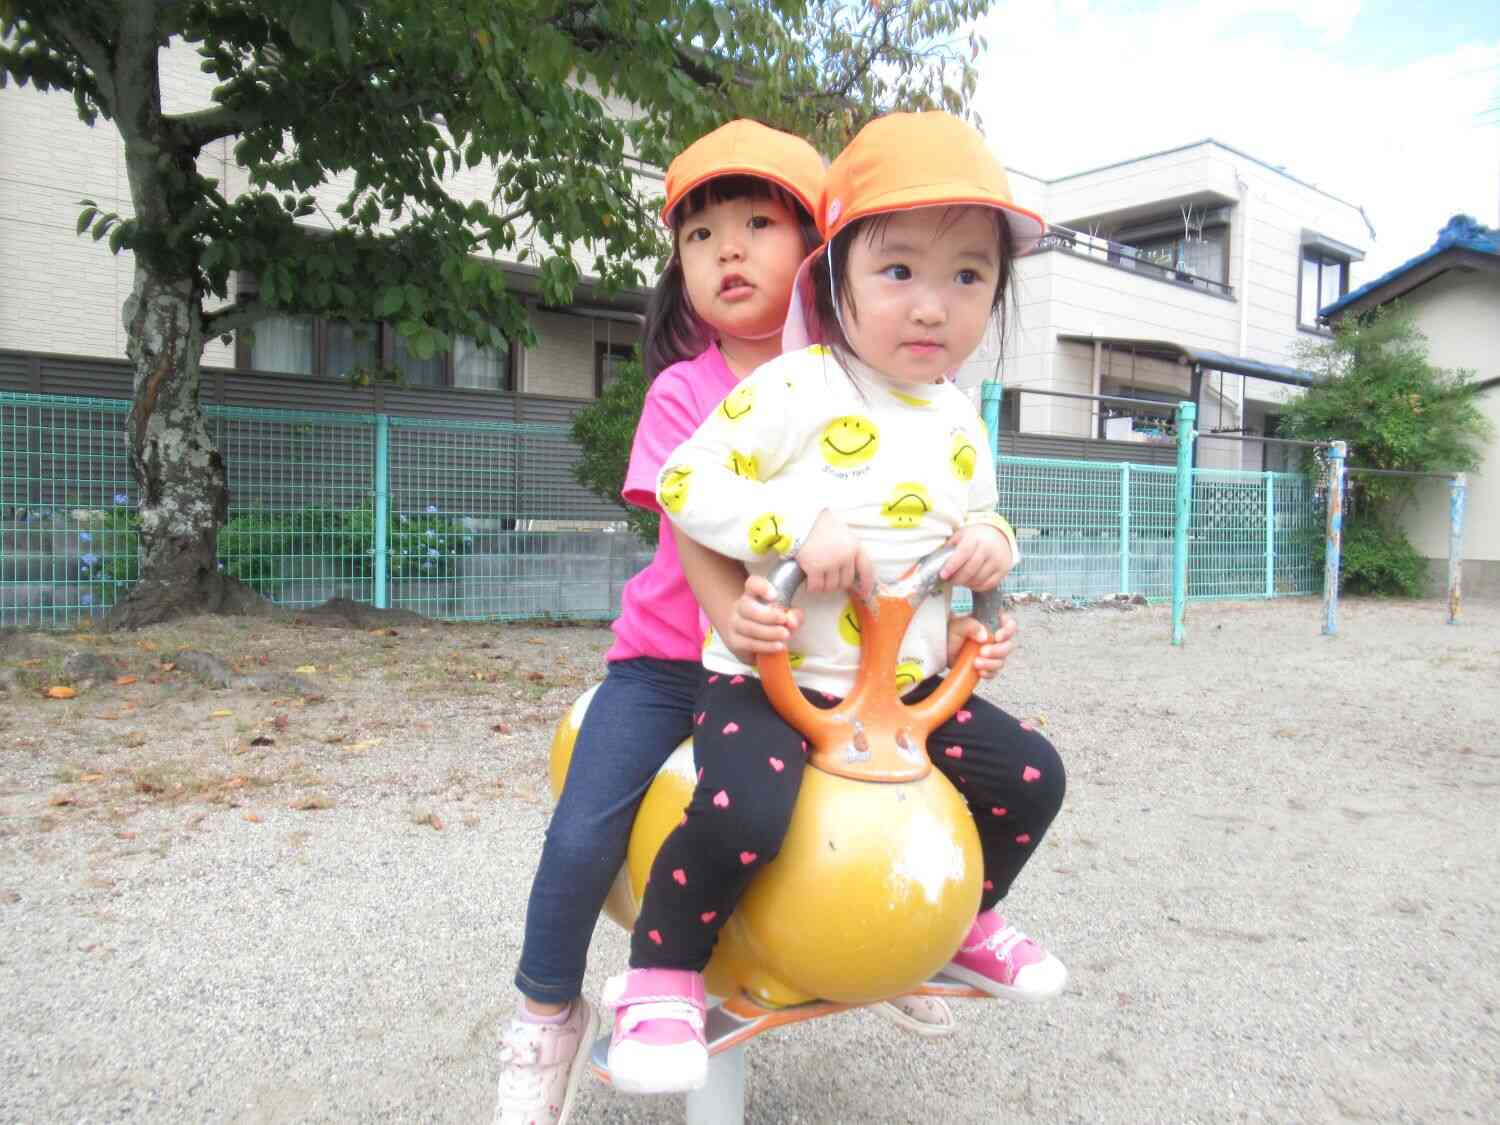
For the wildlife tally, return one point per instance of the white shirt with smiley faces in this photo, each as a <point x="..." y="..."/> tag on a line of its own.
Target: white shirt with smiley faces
<point x="904" y="465"/>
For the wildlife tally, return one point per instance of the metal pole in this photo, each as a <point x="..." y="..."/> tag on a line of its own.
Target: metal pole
<point x="1335" y="538"/>
<point x="1187" y="414"/>
<point x="382" y="508"/>
<point x="990" y="393"/>
<point x="1270" y="535"/>
<point x="1125" y="527"/>
<point x="1458" y="489"/>
<point x="722" y="1099"/>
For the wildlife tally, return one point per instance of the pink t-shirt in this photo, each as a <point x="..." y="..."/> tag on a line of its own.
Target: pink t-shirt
<point x="658" y="613"/>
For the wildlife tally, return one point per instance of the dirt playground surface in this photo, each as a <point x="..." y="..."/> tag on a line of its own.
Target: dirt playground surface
<point x="299" y="897"/>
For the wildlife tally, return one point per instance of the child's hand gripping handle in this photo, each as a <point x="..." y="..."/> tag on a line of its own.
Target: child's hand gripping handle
<point x="872" y="734"/>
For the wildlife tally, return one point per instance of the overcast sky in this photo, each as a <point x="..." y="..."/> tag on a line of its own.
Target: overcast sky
<point x="1395" y="106"/>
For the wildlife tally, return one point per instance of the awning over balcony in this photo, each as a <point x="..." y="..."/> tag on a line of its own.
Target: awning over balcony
<point x="1199" y="358"/>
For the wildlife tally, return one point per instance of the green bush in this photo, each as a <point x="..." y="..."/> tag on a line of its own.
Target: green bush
<point x="1380" y="560"/>
<point x="604" y="431"/>
<point x="255" y="544"/>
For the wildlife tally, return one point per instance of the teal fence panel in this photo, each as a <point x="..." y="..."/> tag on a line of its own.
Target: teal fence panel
<point x="487" y="525"/>
<point x="1253" y="536"/>
<point x="67" y="509"/>
<point x="301" y="525"/>
<point x="1089" y="529"/>
<point x="1296" y="568"/>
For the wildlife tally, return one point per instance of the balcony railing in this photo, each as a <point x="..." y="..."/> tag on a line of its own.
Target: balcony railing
<point x="1121" y="256"/>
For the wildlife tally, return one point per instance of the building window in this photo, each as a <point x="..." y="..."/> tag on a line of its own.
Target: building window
<point x="1191" y="246"/>
<point x="1323" y="280"/>
<point x="1205" y="256"/>
<point x="306" y="345"/>
<point x="608" y="359"/>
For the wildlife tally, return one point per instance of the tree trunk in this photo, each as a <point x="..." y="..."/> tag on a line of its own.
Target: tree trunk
<point x="178" y="471"/>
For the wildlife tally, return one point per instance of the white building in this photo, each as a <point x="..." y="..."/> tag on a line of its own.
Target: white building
<point x="1191" y="273"/>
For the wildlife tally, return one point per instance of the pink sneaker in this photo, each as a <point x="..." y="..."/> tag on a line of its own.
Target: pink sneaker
<point x="1003" y="961"/>
<point x="658" y="1045"/>
<point x="540" y="1064"/>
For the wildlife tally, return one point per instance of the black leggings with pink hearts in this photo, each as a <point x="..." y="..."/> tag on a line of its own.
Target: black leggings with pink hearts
<point x="750" y="767"/>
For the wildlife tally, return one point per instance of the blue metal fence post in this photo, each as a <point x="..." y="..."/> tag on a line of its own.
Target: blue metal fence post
<point x="1335" y="537"/>
<point x="1125" y="527"/>
<point x="991" y="392"/>
<point x="1270" y="535"/>
<point x="1458" y="487"/>
<point x="382" y="509"/>
<point x="1187" y="415"/>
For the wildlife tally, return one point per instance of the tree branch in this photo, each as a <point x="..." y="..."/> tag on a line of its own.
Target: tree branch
<point x="228" y="318"/>
<point x="91" y="50"/>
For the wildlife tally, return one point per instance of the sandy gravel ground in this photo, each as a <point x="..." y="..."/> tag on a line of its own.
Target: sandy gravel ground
<point x="1275" y="879"/>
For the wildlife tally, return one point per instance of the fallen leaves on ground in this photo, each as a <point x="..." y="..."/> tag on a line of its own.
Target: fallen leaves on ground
<point x="310" y="802"/>
<point x="58" y="691"/>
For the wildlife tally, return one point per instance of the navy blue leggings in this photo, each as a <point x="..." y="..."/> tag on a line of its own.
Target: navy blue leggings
<point x="640" y="713"/>
<point x="751" y="761"/>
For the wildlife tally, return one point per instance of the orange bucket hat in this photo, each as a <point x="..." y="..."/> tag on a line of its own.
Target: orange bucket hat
<point x="901" y="162"/>
<point x="747" y="148"/>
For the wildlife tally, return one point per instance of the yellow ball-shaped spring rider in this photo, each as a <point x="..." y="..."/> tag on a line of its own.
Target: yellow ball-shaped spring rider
<point x="880" y="874"/>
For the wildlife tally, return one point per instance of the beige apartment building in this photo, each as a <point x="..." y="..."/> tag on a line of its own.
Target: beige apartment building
<point x="1187" y="274"/>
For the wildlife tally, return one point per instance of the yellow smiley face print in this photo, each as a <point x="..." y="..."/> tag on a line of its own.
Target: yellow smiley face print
<point x="673" y="489"/>
<point x="908" y="675"/>
<point x="795" y="659"/>
<point x="849" y="441"/>
<point x="963" y="456"/>
<point x="737" y="403"/>
<point x="766" y="535"/>
<point x="849" y="625"/>
<point x="743" y="465"/>
<point x="906" y="505"/>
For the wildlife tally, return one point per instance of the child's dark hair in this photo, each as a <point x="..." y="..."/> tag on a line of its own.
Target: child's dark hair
<point x="672" y="331"/>
<point x="870" y="227"/>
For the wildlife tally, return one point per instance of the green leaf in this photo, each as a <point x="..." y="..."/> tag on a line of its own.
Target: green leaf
<point x="391" y="300"/>
<point x="343" y="35"/>
<point x="85" y="218"/>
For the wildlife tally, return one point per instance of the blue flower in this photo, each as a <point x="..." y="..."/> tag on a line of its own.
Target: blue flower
<point x="430" y="533"/>
<point x="432" y="552"/>
<point x="85" y="537"/>
<point x="88" y="560"/>
<point x="432" y="509"/>
<point x="85" y="599"/>
<point x="122" y="498"/>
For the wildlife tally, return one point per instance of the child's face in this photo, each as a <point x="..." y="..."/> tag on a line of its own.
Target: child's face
<point x="738" y="261"/>
<point x="923" y="284"/>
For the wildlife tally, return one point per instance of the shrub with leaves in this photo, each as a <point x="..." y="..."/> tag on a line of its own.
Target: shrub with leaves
<point x="604" y="432"/>
<point x="1379" y="393"/>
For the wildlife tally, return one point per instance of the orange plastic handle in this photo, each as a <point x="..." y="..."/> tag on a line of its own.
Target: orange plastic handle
<point x="871" y="734"/>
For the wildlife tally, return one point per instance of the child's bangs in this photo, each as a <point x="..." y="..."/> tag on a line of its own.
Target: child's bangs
<point x="728" y="189"/>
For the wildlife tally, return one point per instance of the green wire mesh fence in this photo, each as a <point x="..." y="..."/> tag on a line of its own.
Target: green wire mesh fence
<point x="1093" y="529"/>
<point x="483" y="520"/>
